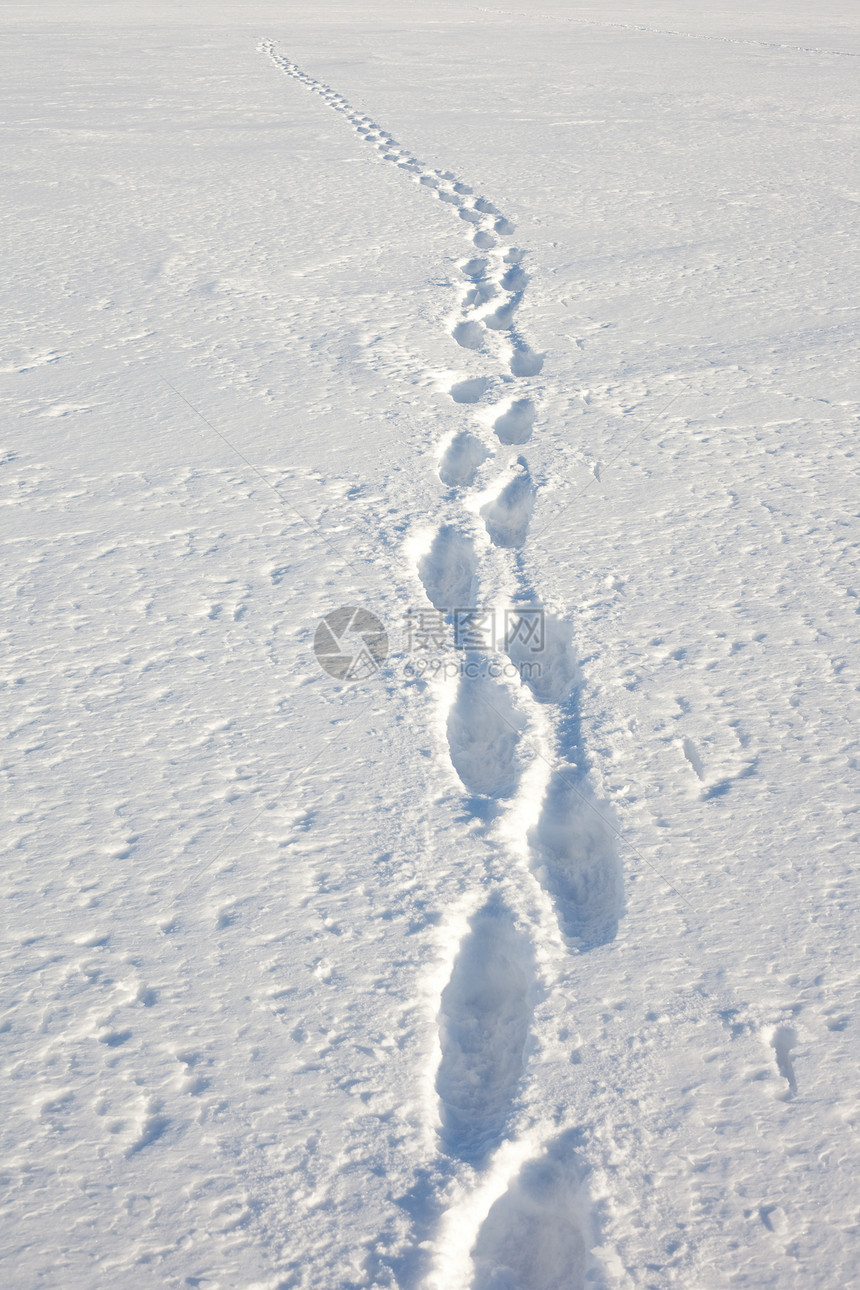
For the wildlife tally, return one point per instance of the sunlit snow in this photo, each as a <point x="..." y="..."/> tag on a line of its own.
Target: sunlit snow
<point x="430" y="615"/>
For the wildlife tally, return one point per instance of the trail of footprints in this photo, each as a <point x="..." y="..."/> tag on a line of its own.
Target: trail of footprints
<point x="534" y="1237"/>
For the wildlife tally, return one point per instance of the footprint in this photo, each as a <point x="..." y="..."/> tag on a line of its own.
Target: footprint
<point x="483" y="727"/>
<point x="691" y="753"/>
<point x="504" y="227"/>
<point x="484" y="1019"/>
<point x="481" y="294"/>
<point x="541" y="647"/>
<point x="448" y="570"/>
<point x="525" y="362"/>
<point x="537" y="1236"/>
<point x="471" y="391"/>
<point x="575" y="861"/>
<point x="500" y="319"/>
<point x="508" y="515"/>
<point x="483" y="241"/>
<point x="782" y="1040"/>
<point x="469" y="334"/>
<point x="515" y="425"/>
<point x="516" y="279"/>
<point x="460" y="462"/>
<point x="474" y="269"/>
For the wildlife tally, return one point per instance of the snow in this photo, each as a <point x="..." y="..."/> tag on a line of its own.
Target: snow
<point x="529" y="965"/>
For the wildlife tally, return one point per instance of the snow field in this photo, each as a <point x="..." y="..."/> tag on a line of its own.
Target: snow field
<point x="316" y="985"/>
<point x="485" y="1019"/>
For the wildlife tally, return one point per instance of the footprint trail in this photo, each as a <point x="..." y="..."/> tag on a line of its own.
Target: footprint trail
<point x="515" y="748"/>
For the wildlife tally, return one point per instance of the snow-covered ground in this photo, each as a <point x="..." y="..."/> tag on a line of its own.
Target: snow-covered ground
<point x="526" y="966"/>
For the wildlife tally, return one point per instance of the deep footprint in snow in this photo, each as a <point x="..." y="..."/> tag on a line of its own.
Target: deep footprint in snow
<point x="469" y="334"/>
<point x="483" y="736"/>
<point x="782" y="1040"/>
<point x="500" y="319"/>
<point x="470" y="391"/>
<point x="484" y="1019"/>
<point x="481" y="294"/>
<point x="516" y="279"/>
<point x="525" y="362"/>
<point x="538" y="1234"/>
<point x="515" y="425"/>
<point x="541" y="646"/>
<point x="461" y="460"/>
<point x="448" y="570"/>
<point x="508" y="515"/>
<point x="574" y="858"/>
<point x="474" y="269"/>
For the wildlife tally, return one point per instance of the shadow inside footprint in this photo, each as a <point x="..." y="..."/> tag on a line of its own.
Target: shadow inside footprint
<point x="537" y="1236"/>
<point x="525" y="362"/>
<point x="515" y="279"/>
<point x="508" y="515"/>
<point x="461" y="459"/>
<point x="500" y="319"/>
<point x="474" y="269"/>
<point x="783" y="1039"/>
<point x="448" y="570"/>
<point x="481" y="294"/>
<point x="469" y="334"/>
<point x="575" y="860"/>
<point x="483" y="734"/>
<point x="470" y="391"/>
<point x="515" y="425"/>
<point x="541" y="646"/>
<point x="484" y="1019"/>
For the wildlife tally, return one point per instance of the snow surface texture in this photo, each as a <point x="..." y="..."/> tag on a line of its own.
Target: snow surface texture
<point x="455" y="982"/>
